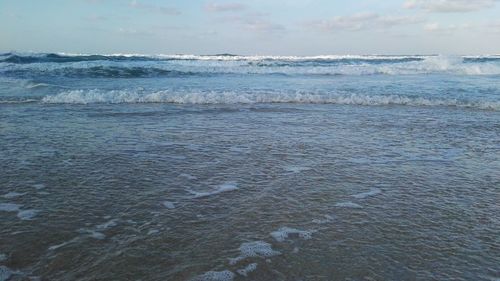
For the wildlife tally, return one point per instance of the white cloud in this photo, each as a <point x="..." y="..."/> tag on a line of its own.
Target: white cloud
<point x="253" y="22"/>
<point x="362" y="21"/>
<point x="449" y="6"/>
<point x="488" y="27"/>
<point x="244" y="18"/>
<point x="446" y="29"/>
<point x="225" y="7"/>
<point x="154" y="8"/>
<point x="262" y="26"/>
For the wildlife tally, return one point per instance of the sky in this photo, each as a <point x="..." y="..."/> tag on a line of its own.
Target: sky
<point x="252" y="27"/>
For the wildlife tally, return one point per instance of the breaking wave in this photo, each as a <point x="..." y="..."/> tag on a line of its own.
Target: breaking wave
<point x="211" y="97"/>
<point x="132" y="66"/>
<point x="64" y="58"/>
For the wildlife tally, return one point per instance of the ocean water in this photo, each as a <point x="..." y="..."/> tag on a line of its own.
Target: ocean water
<point x="181" y="167"/>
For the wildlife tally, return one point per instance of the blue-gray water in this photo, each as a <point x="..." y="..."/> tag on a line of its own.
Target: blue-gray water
<point x="249" y="168"/>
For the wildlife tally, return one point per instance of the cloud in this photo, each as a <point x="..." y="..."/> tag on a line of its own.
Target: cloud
<point x="226" y="7"/>
<point x="244" y="18"/>
<point x="488" y="27"/>
<point x="262" y="26"/>
<point x="134" y="32"/>
<point x="449" y="6"/>
<point x="253" y="22"/>
<point x="362" y="21"/>
<point x="450" y="29"/>
<point x="154" y="8"/>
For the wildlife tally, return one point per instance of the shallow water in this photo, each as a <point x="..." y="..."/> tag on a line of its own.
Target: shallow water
<point x="249" y="176"/>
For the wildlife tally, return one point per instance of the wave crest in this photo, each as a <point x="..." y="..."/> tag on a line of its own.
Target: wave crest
<point x="325" y="65"/>
<point x="140" y="96"/>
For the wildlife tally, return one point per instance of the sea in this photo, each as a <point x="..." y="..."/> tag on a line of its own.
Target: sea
<point x="228" y="167"/>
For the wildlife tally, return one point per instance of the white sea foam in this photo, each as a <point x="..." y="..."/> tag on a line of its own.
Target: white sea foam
<point x="3" y="257"/>
<point x="228" y="186"/>
<point x="176" y="157"/>
<point x="283" y="233"/>
<point x="97" y="235"/>
<point x="153" y="231"/>
<point x="5" y="273"/>
<point x="168" y="205"/>
<point x="27" y="214"/>
<point x="326" y="219"/>
<point x="254" y="249"/>
<point x="96" y="232"/>
<point x="225" y="275"/>
<point x="296" y="169"/>
<point x="348" y="205"/>
<point x="247" y="269"/>
<point x="13" y="194"/>
<point x="236" y="97"/>
<point x="39" y="186"/>
<point x="188" y="176"/>
<point x="55" y="247"/>
<point x="373" y="191"/>
<point x="108" y="224"/>
<point x="9" y="207"/>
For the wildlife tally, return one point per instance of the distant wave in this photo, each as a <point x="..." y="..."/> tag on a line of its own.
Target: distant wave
<point x="138" y="96"/>
<point x="27" y="58"/>
<point x="60" y="58"/>
<point x="482" y="59"/>
<point x="98" y="72"/>
<point x="65" y="58"/>
<point x="17" y="101"/>
<point x="120" y="66"/>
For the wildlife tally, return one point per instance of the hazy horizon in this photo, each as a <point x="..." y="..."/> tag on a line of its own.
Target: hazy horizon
<point x="243" y="55"/>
